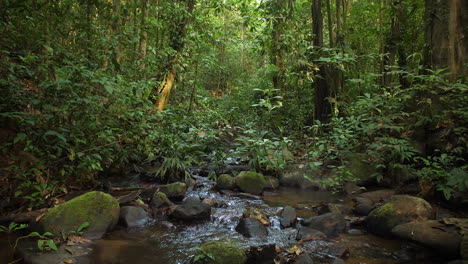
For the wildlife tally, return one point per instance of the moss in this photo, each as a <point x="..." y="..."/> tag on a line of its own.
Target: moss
<point x="101" y="210"/>
<point x="225" y="181"/>
<point x="383" y="210"/>
<point x="174" y="190"/>
<point x="159" y="199"/>
<point x="250" y="182"/>
<point x="223" y="253"/>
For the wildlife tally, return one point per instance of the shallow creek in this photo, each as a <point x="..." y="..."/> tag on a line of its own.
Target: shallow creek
<point x="177" y="242"/>
<point x="160" y="244"/>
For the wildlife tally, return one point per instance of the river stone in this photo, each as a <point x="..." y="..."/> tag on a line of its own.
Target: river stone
<point x="192" y="210"/>
<point x="99" y="209"/>
<point x="377" y="196"/>
<point x="174" y="190"/>
<point x="225" y="182"/>
<point x="159" y="199"/>
<point x="223" y="253"/>
<point x="304" y="258"/>
<point x="431" y="233"/>
<point x="308" y="234"/>
<point x="329" y="223"/>
<point x="262" y="254"/>
<point x="288" y="217"/>
<point x="249" y="227"/>
<point x="339" y="208"/>
<point x="398" y="210"/>
<point x="132" y="216"/>
<point x="250" y="182"/>
<point x="271" y="182"/>
<point x="256" y="214"/>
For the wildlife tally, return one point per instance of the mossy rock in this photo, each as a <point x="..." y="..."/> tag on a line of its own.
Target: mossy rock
<point x="159" y="199"/>
<point x="398" y="210"/>
<point x="257" y="214"/>
<point x="101" y="210"/>
<point x="174" y="190"/>
<point x="225" y="181"/>
<point x="223" y="253"/>
<point x="250" y="182"/>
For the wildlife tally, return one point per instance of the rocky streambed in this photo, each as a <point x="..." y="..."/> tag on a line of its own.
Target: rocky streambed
<point x="252" y="219"/>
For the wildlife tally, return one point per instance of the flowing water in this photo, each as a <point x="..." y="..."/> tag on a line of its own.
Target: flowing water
<point x="161" y="242"/>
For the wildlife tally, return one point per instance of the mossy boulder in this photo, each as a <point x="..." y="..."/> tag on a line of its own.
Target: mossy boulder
<point x="225" y="182"/>
<point x="250" y="182"/>
<point x="159" y="199"/>
<point x="222" y="253"/>
<point x="174" y="190"/>
<point x="398" y="210"/>
<point x="101" y="210"/>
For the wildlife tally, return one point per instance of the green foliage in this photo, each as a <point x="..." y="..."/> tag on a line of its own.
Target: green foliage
<point x="264" y="153"/>
<point x="45" y="241"/>
<point x="12" y="227"/>
<point x="202" y="256"/>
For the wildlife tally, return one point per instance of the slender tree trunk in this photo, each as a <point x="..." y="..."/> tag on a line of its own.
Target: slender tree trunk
<point x="115" y="31"/>
<point x="330" y="25"/>
<point x="322" y="92"/>
<point x="176" y="42"/>
<point x="143" y="32"/>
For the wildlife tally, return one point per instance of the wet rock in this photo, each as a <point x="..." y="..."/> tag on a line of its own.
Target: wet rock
<point x="192" y="210"/>
<point x="225" y="182"/>
<point x="159" y="199"/>
<point x="256" y="214"/>
<point x="308" y="234"/>
<point x="339" y="208"/>
<point x="249" y="227"/>
<point x="378" y="196"/>
<point x="168" y="225"/>
<point x="132" y="216"/>
<point x="271" y="182"/>
<point x="363" y="209"/>
<point x="329" y="223"/>
<point x="262" y="254"/>
<point x="223" y="253"/>
<point x="338" y="261"/>
<point x="174" y="190"/>
<point x="355" y="232"/>
<point x="304" y="258"/>
<point x="212" y="202"/>
<point x="250" y="182"/>
<point x="101" y="210"/>
<point x="288" y="217"/>
<point x="192" y="199"/>
<point x="341" y="252"/>
<point x="431" y="233"/>
<point x="399" y="209"/>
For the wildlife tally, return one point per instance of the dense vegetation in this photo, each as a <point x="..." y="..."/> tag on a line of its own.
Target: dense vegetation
<point x="89" y="88"/>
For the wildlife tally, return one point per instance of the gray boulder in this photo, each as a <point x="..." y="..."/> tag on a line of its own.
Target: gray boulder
<point x="192" y="210"/>
<point x="132" y="216"/>
<point x="398" y="210"/>
<point x="249" y="227"/>
<point x="329" y="223"/>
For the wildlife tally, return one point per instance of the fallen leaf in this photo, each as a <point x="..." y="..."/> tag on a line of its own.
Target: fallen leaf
<point x="68" y="261"/>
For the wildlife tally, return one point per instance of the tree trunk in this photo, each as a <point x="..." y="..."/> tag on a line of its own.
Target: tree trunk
<point x="330" y="25"/>
<point x="176" y="42"/>
<point x="322" y="91"/>
<point x="445" y="36"/>
<point x="143" y="32"/>
<point x="115" y="31"/>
